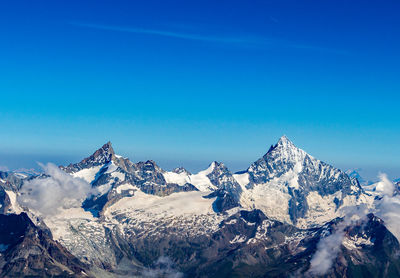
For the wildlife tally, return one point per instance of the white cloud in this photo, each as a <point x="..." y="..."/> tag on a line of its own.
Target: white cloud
<point x="56" y="191"/>
<point x="329" y="247"/>
<point x="388" y="206"/>
<point x="385" y="187"/>
<point x="162" y="268"/>
<point x="327" y="250"/>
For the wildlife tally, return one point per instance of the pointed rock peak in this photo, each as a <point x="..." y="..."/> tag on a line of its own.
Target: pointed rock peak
<point x="180" y="170"/>
<point x="284" y="141"/>
<point x="100" y="157"/>
<point x="283" y="144"/>
<point x="216" y="168"/>
<point x="216" y="165"/>
<point x="103" y="155"/>
<point x="210" y="168"/>
<point x="107" y="147"/>
<point x="397" y="183"/>
<point x="219" y="165"/>
<point x="285" y="149"/>
<point x="149" y="165"/>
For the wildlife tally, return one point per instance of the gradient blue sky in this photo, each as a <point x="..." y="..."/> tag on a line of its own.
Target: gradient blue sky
<point x="187" y="82"/>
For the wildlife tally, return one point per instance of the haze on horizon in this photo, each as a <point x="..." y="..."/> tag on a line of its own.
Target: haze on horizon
<point x="186" y="83"/>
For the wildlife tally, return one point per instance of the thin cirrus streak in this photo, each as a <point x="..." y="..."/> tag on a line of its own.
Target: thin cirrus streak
<point x="249" y="41"/>
<point x="165" y="33"/>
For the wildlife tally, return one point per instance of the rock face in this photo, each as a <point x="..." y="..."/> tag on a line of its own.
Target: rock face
<point x="297" y="182"/>
<point x="10" y="184"/>
<point x="181" y="170"/>
<point x="5" y="203"/>
<point x="28" y="251"/>
<point x="249" y="244"/>
<point x="11" y="181"/>
<point x="223" y="179"/>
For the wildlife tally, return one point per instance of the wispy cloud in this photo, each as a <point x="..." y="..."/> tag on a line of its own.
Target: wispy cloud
<point x="329" y="247"/>
<point x="171" y="34"/>
<point x="247" y="41"/>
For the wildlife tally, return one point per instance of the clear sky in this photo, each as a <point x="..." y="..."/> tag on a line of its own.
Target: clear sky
<point x="188" y="82"/>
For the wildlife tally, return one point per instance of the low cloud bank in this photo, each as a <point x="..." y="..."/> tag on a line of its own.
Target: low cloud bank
<point x="58" y="190"/>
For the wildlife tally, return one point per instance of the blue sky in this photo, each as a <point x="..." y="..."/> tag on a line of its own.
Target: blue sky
<point x="187" y="82"/>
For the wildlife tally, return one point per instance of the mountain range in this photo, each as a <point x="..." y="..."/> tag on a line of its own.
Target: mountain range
<point x="107" y="216"/>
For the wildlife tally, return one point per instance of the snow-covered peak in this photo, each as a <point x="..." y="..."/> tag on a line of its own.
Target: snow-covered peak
<point x="100" y="157"/>
<point x="210" y="168"/>
<point x="279" y="160"/>
<point x="205" y="180"/>
<point x="284" y="140"/>
<point x="201" y="180"/>
<point x="285" y="150"/>
<point x="286" y="181"/>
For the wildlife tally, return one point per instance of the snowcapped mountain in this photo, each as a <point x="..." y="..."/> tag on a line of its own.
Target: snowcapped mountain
<point x="291" y="186"/>
<point x="267" y="220"/>
<point x="287" y="184"/>
<point x="106" y="172"/>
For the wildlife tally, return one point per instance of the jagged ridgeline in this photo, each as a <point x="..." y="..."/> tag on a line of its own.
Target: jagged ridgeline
<point x="139" y="220"/>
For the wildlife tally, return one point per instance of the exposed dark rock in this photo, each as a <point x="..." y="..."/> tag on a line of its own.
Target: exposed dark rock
<point x="248" y="244"/>
<point x="181" y="170"/>
<point x="30" y="252"/>
<point x="5" y="202"/>
<point x="222" y="178"/>
<point x="11" y="181"/>
<point x="223" y="202"/>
